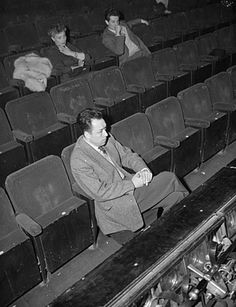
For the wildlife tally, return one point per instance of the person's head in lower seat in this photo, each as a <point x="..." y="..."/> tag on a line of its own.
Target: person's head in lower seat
<point x="93" y="126"/>
<point x="58" y="34"/>
<point x="112" y="18"/>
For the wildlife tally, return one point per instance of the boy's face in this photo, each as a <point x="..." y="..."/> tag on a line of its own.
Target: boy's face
<point x="59" y="38"/>
<point x="113" y="22"/>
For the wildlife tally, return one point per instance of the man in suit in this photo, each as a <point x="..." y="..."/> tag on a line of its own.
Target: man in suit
<point x="97" y="163"/>
<point x="119" y="38"/>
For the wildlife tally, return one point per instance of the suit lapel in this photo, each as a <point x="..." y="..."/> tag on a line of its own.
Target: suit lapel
<point x="100" y="159"/>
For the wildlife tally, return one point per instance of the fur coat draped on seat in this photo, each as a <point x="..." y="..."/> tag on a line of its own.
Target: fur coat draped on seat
<point x="33" y="70"/>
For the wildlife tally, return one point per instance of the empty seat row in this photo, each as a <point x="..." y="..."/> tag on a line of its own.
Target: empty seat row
<point x="48" y="227"/>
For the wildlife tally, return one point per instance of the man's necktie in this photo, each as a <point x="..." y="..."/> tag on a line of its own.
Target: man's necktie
<point x="102" y="149"/>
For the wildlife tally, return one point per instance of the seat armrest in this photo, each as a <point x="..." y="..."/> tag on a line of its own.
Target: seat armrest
<point x="107" y="102"/>
<point x="166" y="142"/>
<point x="66" y="118"/>
<point x="224" y="107"/>
<point x="28" y="224"/>
<point x="163" y="77"/>
<point x="187" y="66"/>
<point x="196" y="123"/>
<point x="22" y="136"/>
<point x="135" y="88"/>
<point x="16" y="82"/>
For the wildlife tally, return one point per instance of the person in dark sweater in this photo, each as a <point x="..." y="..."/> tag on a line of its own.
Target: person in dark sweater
<point x="67" y="60"/>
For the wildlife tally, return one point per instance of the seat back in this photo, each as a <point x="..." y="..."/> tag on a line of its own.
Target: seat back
<point x="19" y="266"/>
<point x="32" y="113"/>
<point x="187" y="52"/>
<point x="166" y="117"/>
<point x="39" y="188"/>
<point x="23" y="35"/>
<point x="139" y="71"/>
<point x="220" y="88"/>
<point x="72" y="97"/>
<point x="134" y="132"/>
<point x="65" y="155"/>
<point x="93" y="45"/>
<point x="165" y="61"/>
<point x="7" y="218"/>
<point x="179" y="22"/>
<point x="79" y="23"/>
<point x="196" y="101"/>
<point x="5" y="134"/>
<point x="225" y="37"/>
<point x="204" y="44"/>
<point x="193" y="17"/>
<point x="4" y="44"/>
<point x="146" y="34"/>
<point x="3" y="77"/>
<point x="159" y="27"/>
<point x="107" y="83"/>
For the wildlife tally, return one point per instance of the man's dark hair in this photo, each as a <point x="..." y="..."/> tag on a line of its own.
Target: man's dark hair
<point x="111" y="12"/>
<point x="85" y="118"/>
<point x="56" y="29"/>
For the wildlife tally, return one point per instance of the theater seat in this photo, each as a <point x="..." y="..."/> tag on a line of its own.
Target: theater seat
<point x="189" y="60"/>
<point x="20" y="84"/>
<point x="180" y="26"/>
<point x="196" y="105"/>
<point x="43" y="193"/>
<point x="109" y="90"/>
<point x="12" y="154"/>
<point x="222" y="96"/>
<point x="93" y="45"/>
<point x="4" y="44"/>
<point x="208" y="49"/>
<point x="135" y="132"/>
<point x="7" y="92"/>
<point x="148" y="36"/>
<point x="70" y="98"/>
<point x="170" y="131"/>
<point x="77" y="191"/>
<point x="22" y="36"/>
<point x="35" y="125"/>
<point x="226" y="38"/>
<point x="166" y="68"/>
<point x="139" y="78"/>
<point x="19" y="268"/>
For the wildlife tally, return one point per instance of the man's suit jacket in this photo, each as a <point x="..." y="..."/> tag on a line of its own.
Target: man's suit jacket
<point x="117" y="43"/>
<point x="115" y="206"/>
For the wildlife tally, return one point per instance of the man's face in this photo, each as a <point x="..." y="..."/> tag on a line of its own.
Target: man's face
<point x="113" y="22"/>
<point x="98" y="134"/>
<point x="60" y="38"/>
